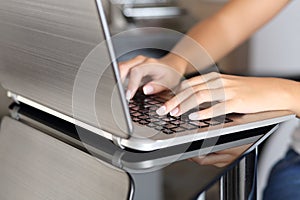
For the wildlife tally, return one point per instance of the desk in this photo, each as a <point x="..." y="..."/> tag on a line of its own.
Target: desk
<point x="124" y="165"/>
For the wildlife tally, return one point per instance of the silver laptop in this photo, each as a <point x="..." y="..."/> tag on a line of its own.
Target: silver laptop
<point x="133" y="161"/>
<point x="57" y="56"/>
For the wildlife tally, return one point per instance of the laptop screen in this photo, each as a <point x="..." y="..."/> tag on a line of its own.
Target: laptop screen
<point x="54" y="53"/>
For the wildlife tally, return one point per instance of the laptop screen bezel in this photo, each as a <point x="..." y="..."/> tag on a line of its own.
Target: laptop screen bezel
<point x="114" y="64"/>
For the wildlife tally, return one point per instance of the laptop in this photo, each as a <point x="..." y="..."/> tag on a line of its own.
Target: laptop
<point x="58" y="56"/>
<point x="32" y="130"/>
<point x="130" y="160"/>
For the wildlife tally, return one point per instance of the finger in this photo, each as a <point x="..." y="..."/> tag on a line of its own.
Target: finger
<point x="194" y="96"/>
<point x="198" y="98"/>
<point x="154" y="87"/>
<point x="135" y="79"/>
<point x="136" y="76"/>
<point x="174" y="102"/>
<point x="214" y="111"/>
<point x="125" y="66"/>
<point x="199" y="80"/>
<point x="210" y="85"/>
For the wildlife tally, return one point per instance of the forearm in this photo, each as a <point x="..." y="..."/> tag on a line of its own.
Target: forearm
<point x="225" y="30"/>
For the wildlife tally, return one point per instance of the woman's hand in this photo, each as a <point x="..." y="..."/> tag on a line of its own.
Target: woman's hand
<point x="231" y="94"/>
<point x="221" y="158"/>
<point x="161" y="74"/>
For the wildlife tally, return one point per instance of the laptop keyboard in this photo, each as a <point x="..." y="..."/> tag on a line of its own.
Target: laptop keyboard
<point x="143" y="111"/>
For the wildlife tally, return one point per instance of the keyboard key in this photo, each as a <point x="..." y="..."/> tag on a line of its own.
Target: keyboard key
<point x="178" y="129"/>
<point x="167" y="131"/>
<point x="143" y="117"/>
<point x="151" y="125"/>
<point x="136" y="114"/>
<point x="199" y="124"/>
<point x="214" y="122"/>
<point x="169" y="126"/>
<point x="168" y="119"/>
<point x="143" y="122"/>
<point x="143" y="111"/>
<point x="176" y="122"/>
<point x="158" y="128"/>
<point x="159" y="123"/>
<point x="135" y="108"/>
<point x="188" y="126"/>
<point x="135" y="119"/>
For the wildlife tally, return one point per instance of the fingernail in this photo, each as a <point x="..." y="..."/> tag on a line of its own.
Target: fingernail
<point x="148" y="89"/>
<point x="161" y="110"/>
<point x="128" y="95"/>
<point x="193" y="116"/>
<point x="174" y="112"/>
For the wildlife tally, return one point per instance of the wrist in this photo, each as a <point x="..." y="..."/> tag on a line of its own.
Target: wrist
<point x="291" y="92"/>
<point x="176" y="62"/>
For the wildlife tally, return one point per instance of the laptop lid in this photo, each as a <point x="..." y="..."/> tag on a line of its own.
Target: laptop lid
<point x="54" y="53"/>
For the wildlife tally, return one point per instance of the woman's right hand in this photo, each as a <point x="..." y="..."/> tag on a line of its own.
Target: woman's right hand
<point x="161" y="74"/>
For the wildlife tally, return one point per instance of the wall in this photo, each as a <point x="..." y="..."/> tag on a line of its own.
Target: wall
<point x="275" y="48"/>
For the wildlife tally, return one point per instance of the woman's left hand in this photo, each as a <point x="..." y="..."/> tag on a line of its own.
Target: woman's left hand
<point x="231" y="94"/>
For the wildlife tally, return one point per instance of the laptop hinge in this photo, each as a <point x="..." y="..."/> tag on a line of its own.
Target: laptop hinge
<point x="117" y="159"/>
<point x="14" y="112"/>
<point x="13" y="96"/>
<point x="117" y="141"/>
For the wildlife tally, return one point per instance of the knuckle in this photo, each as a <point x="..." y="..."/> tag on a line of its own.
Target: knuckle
<point x="184" y="83"/>
<point x="124" y="65"/>
<point x="135" y="71"/>
<point x="199" y="95"/>
<point x="189" y="83"/>
<point x="196" y="79"/>
<point x="196" y="88"/>
<point x="203" y="94"/>
<point x="183" y="86"/>
<point x="152" y="60"/>
<point x="140" y="57"/>
<point x="214" y="74"/>
<point x="121" y="64"/>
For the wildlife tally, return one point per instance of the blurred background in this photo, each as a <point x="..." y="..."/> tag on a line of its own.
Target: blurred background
<point x="274" y="50"/>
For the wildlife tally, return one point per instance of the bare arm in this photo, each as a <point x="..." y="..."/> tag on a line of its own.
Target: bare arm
<point x="218" y="35"/>
<point x="231" y="26"/>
